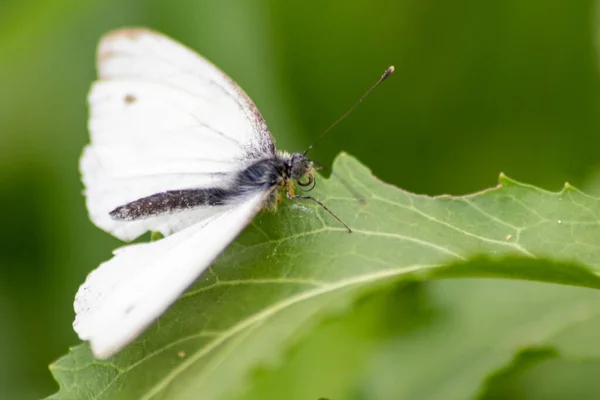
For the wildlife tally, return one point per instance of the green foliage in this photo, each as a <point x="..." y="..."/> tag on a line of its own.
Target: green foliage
<point x="281" y="286"/>
<point x="480" y="87"/>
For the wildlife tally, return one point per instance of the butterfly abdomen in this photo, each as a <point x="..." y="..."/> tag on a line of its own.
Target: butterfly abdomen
<point x="264" y="174"/>
<point x="171" y="201"/>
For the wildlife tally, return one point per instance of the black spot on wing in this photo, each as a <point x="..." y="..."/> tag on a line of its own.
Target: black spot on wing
<point x="129" y="99"/>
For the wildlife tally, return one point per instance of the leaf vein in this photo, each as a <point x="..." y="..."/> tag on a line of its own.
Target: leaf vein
<point x="266" y="313"/>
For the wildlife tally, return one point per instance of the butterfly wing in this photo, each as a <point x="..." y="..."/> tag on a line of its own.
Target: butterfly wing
<point x="163" y="118"/>
<point x="127" y="293"/>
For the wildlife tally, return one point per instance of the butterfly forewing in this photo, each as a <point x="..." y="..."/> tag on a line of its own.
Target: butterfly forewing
<point x="162" y="118"/>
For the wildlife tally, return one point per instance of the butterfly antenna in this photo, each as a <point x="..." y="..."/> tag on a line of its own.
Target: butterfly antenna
<point x="387" y="73"/>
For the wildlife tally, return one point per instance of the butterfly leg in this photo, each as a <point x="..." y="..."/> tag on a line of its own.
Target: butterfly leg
<point x="293" y="197"/>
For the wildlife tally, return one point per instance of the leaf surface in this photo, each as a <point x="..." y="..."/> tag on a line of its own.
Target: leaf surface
<point x="290" y="269"/>
<point x="475" y="330"/>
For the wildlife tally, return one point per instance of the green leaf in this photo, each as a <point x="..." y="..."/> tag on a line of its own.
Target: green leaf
<point x="439" y="340"/>
<point x="333" y="359"/>
<point x="554" y="379"/>
<point x="290" y="269"/>
<point x="477" y="328"/>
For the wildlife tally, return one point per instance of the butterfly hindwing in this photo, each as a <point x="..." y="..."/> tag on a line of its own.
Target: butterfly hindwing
<point x="127" y="293"/>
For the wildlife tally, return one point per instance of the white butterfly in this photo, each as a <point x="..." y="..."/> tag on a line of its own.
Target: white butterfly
<point x="176" y="147"/>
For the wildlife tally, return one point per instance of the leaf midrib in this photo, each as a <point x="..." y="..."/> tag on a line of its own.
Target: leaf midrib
<point x="268" y="312"/>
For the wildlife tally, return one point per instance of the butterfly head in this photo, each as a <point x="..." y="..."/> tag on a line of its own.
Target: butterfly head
<point x="302" y="170"/>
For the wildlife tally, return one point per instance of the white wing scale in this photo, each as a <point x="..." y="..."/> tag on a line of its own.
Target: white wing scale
<point x="161" y="118"/>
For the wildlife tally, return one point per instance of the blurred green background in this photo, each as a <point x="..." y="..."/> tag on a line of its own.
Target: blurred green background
<point x="480" y="88"/>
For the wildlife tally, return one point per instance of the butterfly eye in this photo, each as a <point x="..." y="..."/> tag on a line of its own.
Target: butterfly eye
<point x="311" y="181"/>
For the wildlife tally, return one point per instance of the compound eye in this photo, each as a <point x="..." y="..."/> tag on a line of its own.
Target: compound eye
<point x="309" y="182"/>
